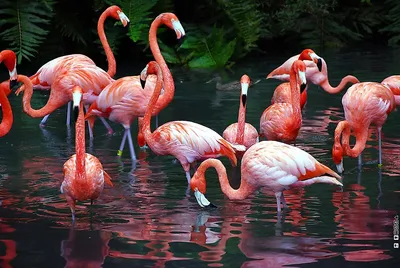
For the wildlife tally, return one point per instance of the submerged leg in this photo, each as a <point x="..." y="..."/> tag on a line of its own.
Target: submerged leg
<point x="380" y="145"/>
<point x="44" y="120"/>
<point x="121" y="147"/>
<point x="107" y="125"/>
<point x="188" y="177"/>
<point x="68" y="113"/>
<point x="360" y="161"/>
<point x="71" y="204"/>
<point x="131" y="148"/>
<point x="284" y="201"/>
<point x="90" y="129"/>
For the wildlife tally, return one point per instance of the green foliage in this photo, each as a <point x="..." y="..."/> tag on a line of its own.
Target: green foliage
<point x="22" y="25"/>
<point x="393" y="18"/>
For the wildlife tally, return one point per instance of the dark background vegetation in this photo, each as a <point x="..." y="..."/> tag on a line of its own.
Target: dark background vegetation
<point x="218" y="32"/>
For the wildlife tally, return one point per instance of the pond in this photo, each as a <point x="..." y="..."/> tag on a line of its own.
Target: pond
<point x="146" y="220"/>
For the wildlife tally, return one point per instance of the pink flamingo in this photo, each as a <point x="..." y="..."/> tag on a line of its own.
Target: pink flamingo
<point x="282" y="91"/>
<point x="94" y="79"/>
<point x="318" y="75"/>
<point x="186" y="141"/>
<point x="393" y="83"/>
<point x="84" y="175"/>
<point x="241" y="132"/>
<point x="10" y="61"/>
<point x="364" y="104"/>
<point x="125" y="100"/>
<point x="271" y="164"/>
<point x="282" y="121"/>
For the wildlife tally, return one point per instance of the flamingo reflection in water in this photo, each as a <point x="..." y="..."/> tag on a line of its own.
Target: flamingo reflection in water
<point x="358" y="222"/>
<point x="10" y="246"/>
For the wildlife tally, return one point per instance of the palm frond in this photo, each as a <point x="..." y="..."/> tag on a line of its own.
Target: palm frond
<point x="22" y="25"/>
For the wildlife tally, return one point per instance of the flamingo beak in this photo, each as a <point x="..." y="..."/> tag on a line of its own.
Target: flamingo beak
<point x="340" y="167"/>
<point x="202" y="200"/>
<point x="245" y="87"/>
<point x="76" y="98"/>
<point x="317" y="60"/>
<point x="123" y="18"/>
<point x="303" y="85"/>
<point x="319" y="64"/>
<point x="180" y="32"/>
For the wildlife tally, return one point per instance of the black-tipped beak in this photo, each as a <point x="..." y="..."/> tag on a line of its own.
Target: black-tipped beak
<point x="143" y="83"/>
<point x="76" y="113"/>
<point x="13" y="83"/>
<point x="244" y="99"/>
<point x="319" y="64"/>
<point x="181" y="40"/>
<point x="302" y="87"/>
<point x="211" y="205"/>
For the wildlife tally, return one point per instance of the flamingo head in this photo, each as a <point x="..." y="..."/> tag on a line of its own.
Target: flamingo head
<point x="245" y="83"/>
<point x="9" y="59"/>
<point x="151" y="68"/>
<point x="337" y="156"/>
<point x="300" y="69"/>
<point x="116" y="13"/>
<point x="198" y="186"/>
<point x="172" y="22"/>
<point x="309" y="54"/>
<point x="77" y="94"/>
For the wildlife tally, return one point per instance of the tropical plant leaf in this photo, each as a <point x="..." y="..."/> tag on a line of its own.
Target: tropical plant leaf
<point x="22" y="25"/>
<point x="393" y="17"/>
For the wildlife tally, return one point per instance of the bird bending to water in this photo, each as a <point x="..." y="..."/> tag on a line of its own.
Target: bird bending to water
<point x="84" y="175"/>
<point x="314" y="74"/>
<point x="91" y="80"/>
<point x="241" y="132"/>
<point x="125" y="100"/>
<point x="282" y="121"/>
<point x="186" y="141"/>
<point x="393" y="83"/>
<point x="364" y="104"/>
<point x="270" y="164"/>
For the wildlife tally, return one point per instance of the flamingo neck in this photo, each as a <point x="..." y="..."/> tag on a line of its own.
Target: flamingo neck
<point x="112" y="65"/>
<point x="80" y="144"/>
<point x="295" y="92"/>
<point x="241" y="122"/>
<point x="169" y="86"/>
<point x="7" y="120"/>
<point x="333" y="90"/>
<point x="146" y="130"/>
<point x="241" y="193"/>
<point x="361" y="139"/>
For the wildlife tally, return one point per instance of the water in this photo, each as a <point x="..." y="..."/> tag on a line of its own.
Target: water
<point x="147" y="221"/>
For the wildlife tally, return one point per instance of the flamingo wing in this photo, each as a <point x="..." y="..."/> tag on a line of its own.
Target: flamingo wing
<point x="282" y="163"/>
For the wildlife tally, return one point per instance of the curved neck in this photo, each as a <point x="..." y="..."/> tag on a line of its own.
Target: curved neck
<point x="361" y="139"/>
<point x="241" y="122"/>
<point x="112" y="65"/>
<point x="55" y="100"/>
<point x="146" y="130"/>
<point x="169" y="86"/>
<point x="333" y="90"/>
<point x="80" y="144"/>
<point x="294" y="92"/>
<point x="7" y="120"/>
<point x="233" y="194"/>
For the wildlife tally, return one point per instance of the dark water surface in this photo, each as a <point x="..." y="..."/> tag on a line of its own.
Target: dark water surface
<point x="147" y="221"/>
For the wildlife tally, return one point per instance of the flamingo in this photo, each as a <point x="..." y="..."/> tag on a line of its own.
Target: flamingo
<point x="125" y="99"/>
<point x="186" y="141"/>
<point x="271" y="164"/>
<point x="393" y="83"/>
<point x="318" y="75"/>
<point x="10" y="61"/>
<point x="282" y="91"/>
<point x="241" y="132"/>
<point x="92" y="79"/>
<point x="84" y="175"/>
<point x="282" y="121"/>
<point x="364" y="104"/>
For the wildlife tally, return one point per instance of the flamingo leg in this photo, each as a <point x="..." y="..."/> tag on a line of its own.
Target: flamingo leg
<point x="71" y="204"/>
<point x="380" y="146"/>
<point x="278" y="201"/>
<point x="90" y="129"/>
<point x="131" y="148"/>
<point x="107" y="125"/>
<point x="157" y="121"/>
<point x="359" y="161"/>
<point x="284" y="201"/>
<point x="68" y="113"/>
<point x="121" y="147"/>
<point x="43" y="122"/>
